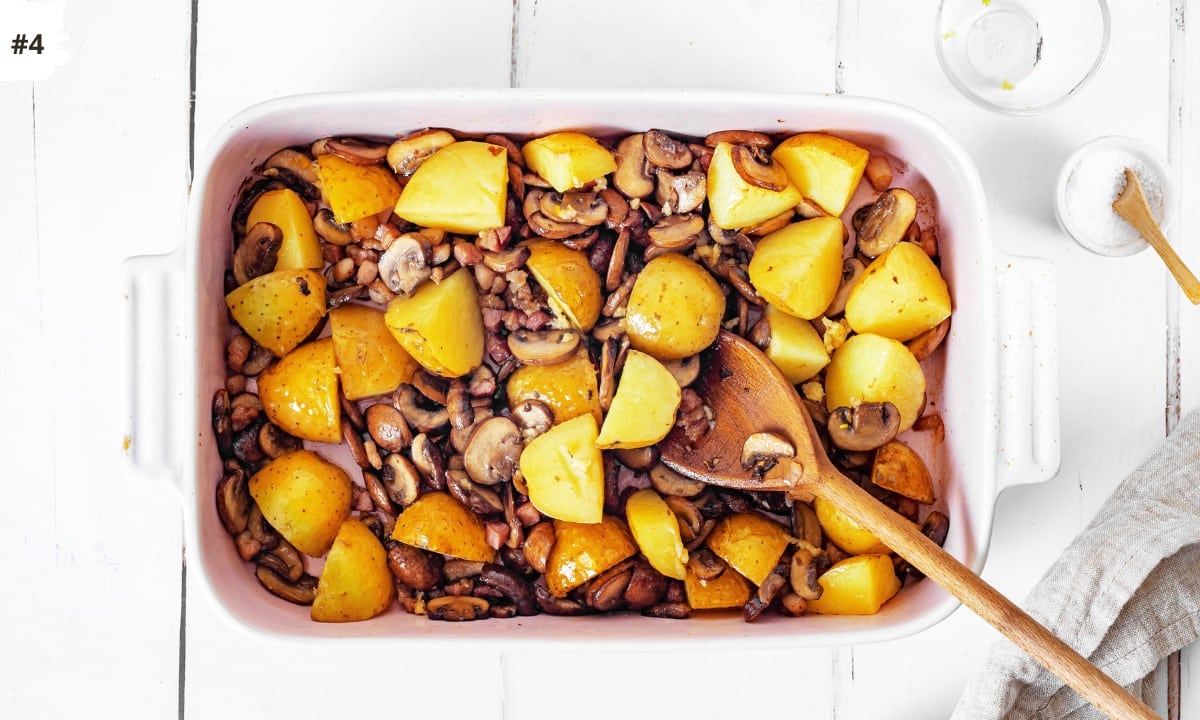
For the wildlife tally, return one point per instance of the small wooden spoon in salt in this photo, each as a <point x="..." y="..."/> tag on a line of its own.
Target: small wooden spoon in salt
<point x="1131" y="205"/>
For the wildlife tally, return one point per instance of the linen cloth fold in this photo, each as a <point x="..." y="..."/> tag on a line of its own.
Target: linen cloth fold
<point x="1124" y="594"/>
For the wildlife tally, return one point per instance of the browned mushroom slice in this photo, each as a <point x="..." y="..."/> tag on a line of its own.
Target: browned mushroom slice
<point x="884" y="222"/>
<point x="670" y="483"/>
<point x="506" y="260"/>
<point x="354" y="150"/>
<point x="330" y="230"/>
<point x="275" y="442"/>
<point x="685" y="370"/>
<point x="676" y="232"/>
<point x="638" y="459"/>
<point x="738" y="137"/>
<point x="295" y="161"/>
<point x="542" y="347"/>
<point x="406" y="264"/>
<point x="285" y="560"/>
<point x="416" y="568"/>
<point x="680" y="193"/>
<point x="511" y="585"/>
<point x="805" y="524"/>
<point x="923" y="345"/>
<point x="553" y="229"/>
<point x="665" y="151"/>
<point x="647" y="586"/>
<point x="808" y="564"/>
<point x="762" y="451"/>
<point x="863" y="427"/>
<point x="606" y="591"/>
<point x="406" y="154"/>
<point x="533" y="417"/>
<point x="632" y="177"/>
<point x="705" y="564"/>
<point x="456" y="608"/>
<point x="757" y="168"/>
<point x="768" y="226"/>
<point x="400" y="479"/>
<point x="760" y="333"/>
<point x="405" y="400"/>
<point x="428" y="458"/>
<point x="493" y="451"/>
<point x="257" y="253"/>
<point x="584" y="208"/>
<point x="539" y="541"/>
<point x="233" y="501"/>
<point x="852" y="270"/>
<point x="301" y="592"/>
<point x="766" y="593"/>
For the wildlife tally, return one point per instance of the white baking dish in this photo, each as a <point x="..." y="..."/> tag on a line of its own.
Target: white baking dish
<point x="995" y="383"/>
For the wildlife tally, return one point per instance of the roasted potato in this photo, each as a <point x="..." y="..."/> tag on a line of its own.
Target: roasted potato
<point x="643" y="408"/>
<point x="656" y="531"/>
<point x="283" y="208"/>
<point x="798" y="269"/>
<point x="355" y="583"/>
<point x="568" y="160"/>
<point x="583" y="551"/>
<point x="675" y="309"/>
<point x="872" y="368"/>
<point x="304" y="497"/>
<point x="440" y="325"/>
<point x="300" y="393"/>
<point x="749" y="543"/>
<point x="439" y="523"/>
<point x="355" y="191"/>
<point x="901" y="295"/>
<point x="369" y="359"/>
<point x="564" y="471"/>
<point x="824" y="168"/>
<point x="569" y="389"/>
<point x="858" y="585"/>
<point x="572" y="286"/>
<point x="462" y="188"/>
<point x="280" y="309"/>
<point x="736" y="203"/>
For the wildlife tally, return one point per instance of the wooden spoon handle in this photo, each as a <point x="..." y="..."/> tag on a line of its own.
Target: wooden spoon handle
<point x="1014" y="623"/>
<point x="1143" y="222"/>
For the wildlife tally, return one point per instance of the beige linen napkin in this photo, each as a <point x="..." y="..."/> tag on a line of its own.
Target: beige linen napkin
<point x="1124" y="594"/>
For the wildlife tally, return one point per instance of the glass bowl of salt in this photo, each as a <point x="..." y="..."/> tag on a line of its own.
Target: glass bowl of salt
<point x="1093" y="176"/>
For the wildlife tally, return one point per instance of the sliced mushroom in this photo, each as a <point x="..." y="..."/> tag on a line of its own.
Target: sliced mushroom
<point x="257" y="253"/>
<point x="762" y="451"/>
<point x="616" y="261"/>
<point x="669" y="610"/>
<point x="638" y="459"/>
<point x="329" y="229"/>
<point x="606" y="591"/>
<point x="532" y="417"/>
<point x="406" y="154"/>
<point x="285" y="560"/>
<point x="705" y="564"/>
<point x="400" y="479"/>
<point x="510" y="585"/>
<point x="738" y="137"/>
<point x="690" y="519"/>
<point x="646" y="586"/>
<point x="936" y="527"/>
<point x="543" y="347"/>
<point x="493" y="451"/>
<point x="556" y="606"/>
<point x="632" y="177"/>
<point x="307" y="191"/>
<point x="766" y="227"/>
<point x="301" y="592"/>
<point x="406" y="264"/>
<point x="457" y="608"/>
<point x="665" y="151"/>
<point x="678" y="194"/>
<point x="760" y="333"/>
<point x="676" y="232"/>
<point x="767" y="591"/>
<point x="852" y="270"/>
<point x="405" y="400"/>
<point x="670" y="483"/>
<point x="864" y="427"/>
<point x="756" y="167"/>
<point x="275" y="442"/>
<point x="416" y="568"/>
<point x="552" y="229"/>
<point x="923" y="345"/>
<point x="506" y="260"/>
<point x="428" y="458"/>
<point x="685" y="370"/>
<point x="295" y="161"/>
<point x="387" y="427"/>
<point x="807" y="565"/>
<point x="482" y="500"/>
<point x="585" y="208"/>
<point x="884" y="223"/>
<point x="357" y="151"/>
<point x="233" y="501"/>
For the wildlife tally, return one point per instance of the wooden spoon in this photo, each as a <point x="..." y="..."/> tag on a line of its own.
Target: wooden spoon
<point x="749" y="395"/>
<point x="1131" y="205"/>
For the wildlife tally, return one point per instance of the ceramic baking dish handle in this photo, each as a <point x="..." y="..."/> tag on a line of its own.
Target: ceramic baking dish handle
<point x="1027" y="332"/>
<point x="155" y="355"/>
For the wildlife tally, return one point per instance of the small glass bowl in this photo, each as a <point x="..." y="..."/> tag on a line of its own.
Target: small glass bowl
<point x="1154" y="163"/>
<point x="1021" y="57"/>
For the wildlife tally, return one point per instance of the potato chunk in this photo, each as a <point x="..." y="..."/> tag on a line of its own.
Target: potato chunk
<point x="656" y="530"/>
<point x="279" y="309"/>
<point x="901" y="295"/>
<point x="569" y="388"/>
<point x="824" y="168"/>
<point x="568" y="160"/>
<point x="304" y="497"/>
<point x="749" y="543"/>
<point x="581" y="552"/>
<point x="798" y="269"/>
<point x="795" y="348"/>
<point x="564" y="471"/>
<point x="355" y="583"/>
<point x="356" y="191"/>
<point x="858" y="585"/>
<point x="300" y="393"/>
<point x="461" y="188"/>
<point x="643" y="409"/>
<point x="735" y="203"/>
<point x="369" y="359"/>
<point x="439" y="523"/>
<point x="283" y="208"/>
<point x="440" y="325"/>
<point x="872" y="368"/>
<point x="727" y="590"/>
<point x="845" y="532"/>
<point x="572" y="286"/>
<point x="675" y="309"/>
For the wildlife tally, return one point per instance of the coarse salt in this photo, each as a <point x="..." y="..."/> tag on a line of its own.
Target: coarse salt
<point x="1092" y="187"/>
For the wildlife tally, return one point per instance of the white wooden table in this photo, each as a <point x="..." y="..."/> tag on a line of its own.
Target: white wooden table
<point x="98" y="612"/>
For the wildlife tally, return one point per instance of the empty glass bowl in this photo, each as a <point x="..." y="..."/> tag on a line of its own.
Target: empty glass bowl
<point x="1021" y="57"/>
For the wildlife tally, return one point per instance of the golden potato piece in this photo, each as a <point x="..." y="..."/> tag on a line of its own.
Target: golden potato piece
<point x="440" y="324"/>
<point x="300" y="393"/>
<point x="571" y="285"/>
<point x="564" y="471"/>
<point x="304" y="497"/>
<point x="643" y="410"/>
<point x="369" y="359"/>
<point x="872" y="368"/>
<point x="901" y="295"/>
<point x="581" y="552"/>
<point x="795" y="348"/>
<point x="735" y="203"/>
<point x="749" y="543"/>
<point x="439" y="523"/>
<point x="858" y="585"/>
<point x="656" y="531"/>
<point x="279" y="309"/>
<point x="568" y="160"/>
<point x="824" y="168"/>
<point x="461" y="188"/>
<point x="355" y="583"/>
<point x="844" y="532"/>
<point x="569" y="388"/>
<point x="798" y="269"/>
<point x="727" y="590"/>
<point x="356" y="191"/>
<point x="900" y="469"/>
<point x="283" y="208"/>
<point x="675" y="309"/>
